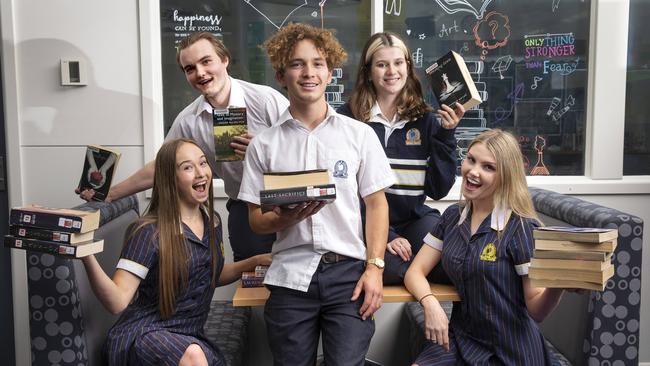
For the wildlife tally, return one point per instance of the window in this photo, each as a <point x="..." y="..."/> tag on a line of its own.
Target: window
<point x="243" y="26"/>
<point x="529" y="61"/>
<point x="636" y="159"/>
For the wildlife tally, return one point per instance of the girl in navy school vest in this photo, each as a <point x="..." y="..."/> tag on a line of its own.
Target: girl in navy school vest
<point x="419" y="144"/>
<point x="169" y="267"/>
<point x="485" y="244"/>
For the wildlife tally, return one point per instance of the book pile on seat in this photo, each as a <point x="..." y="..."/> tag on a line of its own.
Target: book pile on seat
<point x="569" y="257"/>
<point x="62" y="232"/>
<point x="254" y="278"/>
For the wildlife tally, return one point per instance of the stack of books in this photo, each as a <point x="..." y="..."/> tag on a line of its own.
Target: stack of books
<point x="254" y="278"/>
<point x="569" y="257"/>
<point x="63" y="232"/>
<point x="288" y="189"/>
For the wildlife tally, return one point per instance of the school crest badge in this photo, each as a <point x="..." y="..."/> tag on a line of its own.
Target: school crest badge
<point x="340" y="169"/>
<point x="489" y="253"/>
<point x="413" y="137"/>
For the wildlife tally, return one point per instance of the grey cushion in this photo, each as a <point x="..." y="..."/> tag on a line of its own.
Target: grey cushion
<point x="227" y="327"/>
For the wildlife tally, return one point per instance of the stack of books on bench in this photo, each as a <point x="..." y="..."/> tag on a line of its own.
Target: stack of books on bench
<point x="569" y="257"/>
<point x="63" y="232"/>
<point x="254" y="278"/>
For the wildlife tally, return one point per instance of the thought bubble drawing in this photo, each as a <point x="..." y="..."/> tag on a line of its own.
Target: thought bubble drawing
<point x="477" y="8"/>
<point x="491" y="32"/>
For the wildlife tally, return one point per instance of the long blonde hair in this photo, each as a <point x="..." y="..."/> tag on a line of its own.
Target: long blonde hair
<point x="512" y="189"/>
<point x="410" y="102"/>
<point x="164" y="212"/>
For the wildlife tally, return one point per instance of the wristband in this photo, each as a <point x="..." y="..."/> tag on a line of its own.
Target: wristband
<point x="424" y="297"/>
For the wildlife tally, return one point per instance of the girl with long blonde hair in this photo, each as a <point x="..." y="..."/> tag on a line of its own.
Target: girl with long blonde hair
<point x="485" y="243"/>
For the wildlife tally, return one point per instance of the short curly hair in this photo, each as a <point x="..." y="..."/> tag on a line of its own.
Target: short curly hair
<point x="281" y="45"/>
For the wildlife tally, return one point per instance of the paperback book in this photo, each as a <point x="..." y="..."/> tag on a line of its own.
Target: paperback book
<point x="68" y="220"/>
<point x="98" y="170"/>
<point x="227" y="124"/>
<point x="573" y="254"/>
<point x="54" y="248"/>
<point x="579" y="234"/>
<point x="568" y="284"/>
<point x="607" y="246"/>
<point x="50" y="235"/>
<point x="451" y="82"/>
<point x="254" y="278"/>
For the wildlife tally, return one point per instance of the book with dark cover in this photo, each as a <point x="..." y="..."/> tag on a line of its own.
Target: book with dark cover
<point x="70" y="251"/>
<point x="226" y="124"/>
<point x="254" y="278"/>
<point x="289" y="197"/>
<point x="451" y="82"/>
<point x="68" y="220"/>
<point x="98" y="170"/>
<point x="50" y="235"/>
<point x="578" y="234"/>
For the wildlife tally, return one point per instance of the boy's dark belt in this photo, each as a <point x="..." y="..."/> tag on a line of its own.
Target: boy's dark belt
<point x="331" y="257"/>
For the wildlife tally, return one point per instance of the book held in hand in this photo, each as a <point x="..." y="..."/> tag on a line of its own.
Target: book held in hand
<point x="451" y="82"/>
<point x="254" y="278"/>
<point x="68" y="220"/>
<point x="71" y="251"/>
<point x="98" y="170"/>
<point x="226" y="124"/>
<point x="288" y="189"/>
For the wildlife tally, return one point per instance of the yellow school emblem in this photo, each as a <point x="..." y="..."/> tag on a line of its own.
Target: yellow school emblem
<point x="489" y="253"/>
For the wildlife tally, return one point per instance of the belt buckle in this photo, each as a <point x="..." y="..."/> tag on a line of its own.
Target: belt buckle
<point x="330" y="257"/>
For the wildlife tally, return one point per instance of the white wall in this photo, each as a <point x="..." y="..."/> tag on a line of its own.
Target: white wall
<point x="48" y="126"/>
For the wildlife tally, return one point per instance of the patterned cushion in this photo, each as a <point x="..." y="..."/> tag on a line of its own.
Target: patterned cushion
<point x="415" y="315"/>
<point x="227" y="327"/>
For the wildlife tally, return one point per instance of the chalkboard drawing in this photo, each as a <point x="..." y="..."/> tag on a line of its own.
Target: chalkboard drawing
<point x="555" y="5"/>
<point x="334" y="90"/>
<point x="473" y="122"/>
<point x="417" y="58"/>
<point x="491" y="32"/>
<point x="500" y="113"/>
<point x="501" y="65"/>
<point x="321" y="4"/>
<point x="464" y="49"/>
<point x="394" y="7"/>
<point x="455" y="6"/>
<point x="302" y="3"/>
<point x="554" y="103"/>
<point x="535" y="80"/>
<point x="558" y="114"/>
<point x="422" y="36"/>
<point x="540" y="168"/>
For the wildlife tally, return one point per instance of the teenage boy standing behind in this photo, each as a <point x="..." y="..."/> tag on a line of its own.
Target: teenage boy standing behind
<point x="322" y="278"/>
<point x="204" y="60"/>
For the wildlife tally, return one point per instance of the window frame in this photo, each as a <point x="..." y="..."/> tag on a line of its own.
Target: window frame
<point x="605" y="123"/>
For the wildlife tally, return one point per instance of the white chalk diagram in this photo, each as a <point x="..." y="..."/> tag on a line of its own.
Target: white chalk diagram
<point x="501" y="65"/>
<point x="455" y="6"/>
<point x="304" y="2"/>
<point x="417" y="58"/>
<point x="393" y="7"/>
<point x="555" y="5"/>
<point x="334" y="90"/>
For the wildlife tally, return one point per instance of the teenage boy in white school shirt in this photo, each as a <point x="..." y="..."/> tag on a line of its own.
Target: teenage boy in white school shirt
<point x="323" y="277"/>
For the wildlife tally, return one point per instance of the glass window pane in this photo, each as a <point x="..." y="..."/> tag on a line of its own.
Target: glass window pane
<point x="529" y="59"/>
<point x="243" y="26"/>
<point x="636" y="158"/>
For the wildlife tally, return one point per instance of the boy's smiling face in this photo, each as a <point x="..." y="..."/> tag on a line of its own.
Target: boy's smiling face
<point x="306" y="75"/>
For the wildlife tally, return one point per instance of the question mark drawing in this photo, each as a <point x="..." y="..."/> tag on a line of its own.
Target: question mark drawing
<point x="494" y="25"/>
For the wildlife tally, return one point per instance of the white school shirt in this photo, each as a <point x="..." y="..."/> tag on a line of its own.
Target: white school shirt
<point x="358" y="166"/>
<point x="376" y="115"/>
<point x="263" y="108"/>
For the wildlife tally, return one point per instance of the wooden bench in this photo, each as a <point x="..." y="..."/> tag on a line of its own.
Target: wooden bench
<point x="256" y="296"/>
